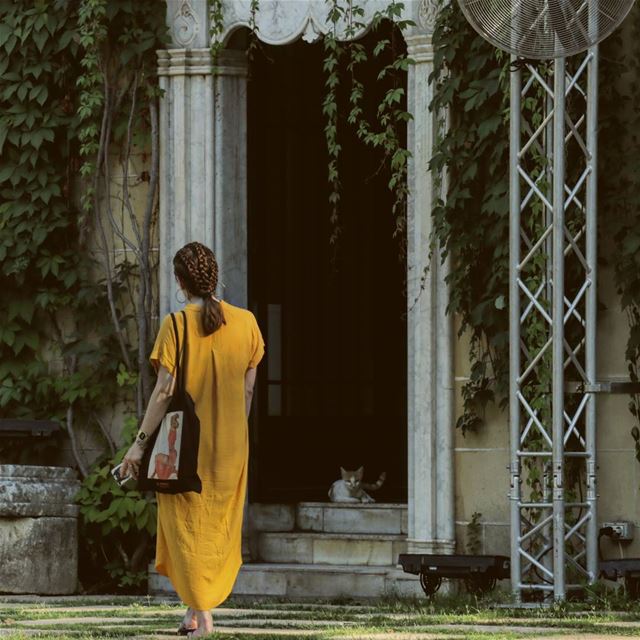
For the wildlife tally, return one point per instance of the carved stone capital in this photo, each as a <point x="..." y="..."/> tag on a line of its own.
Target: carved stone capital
<point x="184" y="62"/>
<point x="420" y="48"/>
<point x="232" y="63"/>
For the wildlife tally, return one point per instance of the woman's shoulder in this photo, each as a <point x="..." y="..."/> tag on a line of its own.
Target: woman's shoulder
<point x="237" y="312"/>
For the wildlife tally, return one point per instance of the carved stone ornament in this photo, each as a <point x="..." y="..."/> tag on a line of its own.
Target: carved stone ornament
<point x="311" y="31"/>
<point x="185" y="24"/>
<point x="428" y="13"/>
<point x="280" y="22"/>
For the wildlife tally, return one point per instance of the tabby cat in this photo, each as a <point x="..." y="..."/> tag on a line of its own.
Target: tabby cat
<point x="350" y="487"/>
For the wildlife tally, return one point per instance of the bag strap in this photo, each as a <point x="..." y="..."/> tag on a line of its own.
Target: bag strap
<point x="178" y="370"/>
<point x="186" y="351"/>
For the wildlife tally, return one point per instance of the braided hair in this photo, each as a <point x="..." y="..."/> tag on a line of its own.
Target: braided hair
<point x="196" y="266"/>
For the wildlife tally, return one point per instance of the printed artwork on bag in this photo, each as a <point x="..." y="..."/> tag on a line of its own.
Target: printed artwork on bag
<point x="164" y="460"/>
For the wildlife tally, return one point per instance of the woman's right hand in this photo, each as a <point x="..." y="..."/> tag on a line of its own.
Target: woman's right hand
<point x="131" y="461"/>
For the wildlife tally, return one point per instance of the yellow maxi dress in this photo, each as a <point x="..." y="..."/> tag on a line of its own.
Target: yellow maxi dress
<point x="199" y="543"/>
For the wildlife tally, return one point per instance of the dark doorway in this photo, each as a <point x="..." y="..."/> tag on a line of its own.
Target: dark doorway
<point x="332" y="389"/>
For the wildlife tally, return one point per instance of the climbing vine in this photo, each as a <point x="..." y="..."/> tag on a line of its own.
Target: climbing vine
<point x="386" y="130"/>
<point x="47" y="368"/>
<point x="471" y="224"/>
<point x="118" y="128"/>
<point x="78" y="95"/>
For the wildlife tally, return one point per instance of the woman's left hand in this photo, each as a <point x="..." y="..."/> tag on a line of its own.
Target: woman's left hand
<point x="131" y="461"/>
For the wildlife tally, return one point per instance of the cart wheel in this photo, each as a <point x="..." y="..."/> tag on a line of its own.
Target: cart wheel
<point x="479" y="583"/>
<point x="430" y="583"/>
<point x="632" y="587"/>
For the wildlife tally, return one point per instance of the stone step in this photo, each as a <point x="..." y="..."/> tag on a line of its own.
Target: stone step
<point x="333" y="517"/>
<point x="308" y="581"/>
<point x="331" y="548"/>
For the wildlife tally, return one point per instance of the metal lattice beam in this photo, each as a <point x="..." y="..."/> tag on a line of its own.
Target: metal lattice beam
<point x="553" y="244"/>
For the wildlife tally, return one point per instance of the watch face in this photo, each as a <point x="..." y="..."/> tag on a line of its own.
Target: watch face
<point x="142" y="436"/>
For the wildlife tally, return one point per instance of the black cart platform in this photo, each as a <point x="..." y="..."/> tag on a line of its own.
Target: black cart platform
<point x="478" y="572"/>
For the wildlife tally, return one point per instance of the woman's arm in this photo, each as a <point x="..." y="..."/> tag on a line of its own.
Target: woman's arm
<point x="249" y="383"/>
<point x="156" y="409"/>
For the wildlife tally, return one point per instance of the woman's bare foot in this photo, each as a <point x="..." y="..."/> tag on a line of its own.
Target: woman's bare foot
<point x="205" y="624"/>
<point x="189" y="620"/>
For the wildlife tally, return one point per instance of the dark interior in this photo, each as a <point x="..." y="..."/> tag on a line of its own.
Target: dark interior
<point x="332" y="388"/>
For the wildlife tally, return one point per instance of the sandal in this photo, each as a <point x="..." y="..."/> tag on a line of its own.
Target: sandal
<point x="183" y="631"/>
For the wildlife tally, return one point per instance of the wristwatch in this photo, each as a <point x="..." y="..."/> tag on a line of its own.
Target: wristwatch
<point x="141" y="438"/>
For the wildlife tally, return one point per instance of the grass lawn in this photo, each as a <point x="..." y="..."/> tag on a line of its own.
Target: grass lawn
<point x="403" y="619"/>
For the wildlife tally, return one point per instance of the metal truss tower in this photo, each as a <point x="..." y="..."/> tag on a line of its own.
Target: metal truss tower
<point x="553" y="267"/>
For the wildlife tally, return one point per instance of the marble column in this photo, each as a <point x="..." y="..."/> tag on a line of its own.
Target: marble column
<point x="203" y="158"/>
<point x="230" y="148"/>
<point x="230" y="199"/>
<point x="431" y="519"/>
<point x="186" y="159"/>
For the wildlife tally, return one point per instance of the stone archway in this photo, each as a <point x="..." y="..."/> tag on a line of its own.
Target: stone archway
<point x="203" y="195"/>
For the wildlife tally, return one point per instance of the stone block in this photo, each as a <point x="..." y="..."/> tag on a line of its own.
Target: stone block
<point x="257" y="580"/>
<point x="29" y="490"/>
<point x="337" y="550"/>
<point x="272" y="517"/>
<point x="496" y="538"/>
<point x="284" y="547"/>
<point x="39" y="555"/>
<point x="38" y="530"/>
<point x="398" y="583"/>
<point x="330" y="584"/>
<point x="309" y="518"/>
<point x="614" y="422"/>
<point x="482" y="484"/>
<point x="398" y="547"/>
<point x="613" y="330"/>
<point x="377" y="519"/>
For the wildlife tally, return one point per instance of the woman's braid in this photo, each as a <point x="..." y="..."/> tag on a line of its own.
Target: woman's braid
<point x="201" y="267"/>
<point x="196" y="266"/>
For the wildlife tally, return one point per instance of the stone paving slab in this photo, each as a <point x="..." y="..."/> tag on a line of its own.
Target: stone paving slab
<point x="586" y="636"/>
<point x="236" y="622"/>
<point x="412" y="635"/>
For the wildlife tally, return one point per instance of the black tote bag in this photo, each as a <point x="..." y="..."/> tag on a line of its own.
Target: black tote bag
<point x="170" y="461"/>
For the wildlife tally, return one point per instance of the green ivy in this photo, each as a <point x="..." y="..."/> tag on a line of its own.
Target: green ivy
<point x="385" y="131"/>
<point x="55" y="350"/>
<point x="471" y="224"/>
<point x="114" y="521"/>
<point x="63" y="68"/>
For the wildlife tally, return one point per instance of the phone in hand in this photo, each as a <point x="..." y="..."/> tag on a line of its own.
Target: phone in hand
<point x="118" y="477"/>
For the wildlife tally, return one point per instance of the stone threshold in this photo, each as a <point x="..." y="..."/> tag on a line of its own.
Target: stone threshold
<point x="333" y="535"/>
<point x="353" y="505"/>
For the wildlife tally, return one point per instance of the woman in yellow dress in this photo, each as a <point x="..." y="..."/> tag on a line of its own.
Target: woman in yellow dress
<point x="199" y="534"/>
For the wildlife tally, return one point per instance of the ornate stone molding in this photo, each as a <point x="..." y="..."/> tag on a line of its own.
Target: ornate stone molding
<point x="232" y="63"/>
<point x="281" y="22"/>
<point x="427" y="13"/>
<point x="186" y="25"/>
<point x="184" y="62"/>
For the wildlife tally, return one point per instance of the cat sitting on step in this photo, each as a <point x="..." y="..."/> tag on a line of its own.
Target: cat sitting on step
<point x="350" y="487"/>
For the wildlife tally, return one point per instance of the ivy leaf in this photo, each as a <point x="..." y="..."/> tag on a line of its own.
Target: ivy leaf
<point x="40" y="38"/>
<point x="6" y="173"/>
<point x="5" y="31"/>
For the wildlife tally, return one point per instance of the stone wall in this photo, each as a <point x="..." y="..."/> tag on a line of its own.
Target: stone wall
<point x="38" y="530"/>
<point x="482" y="459"/>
